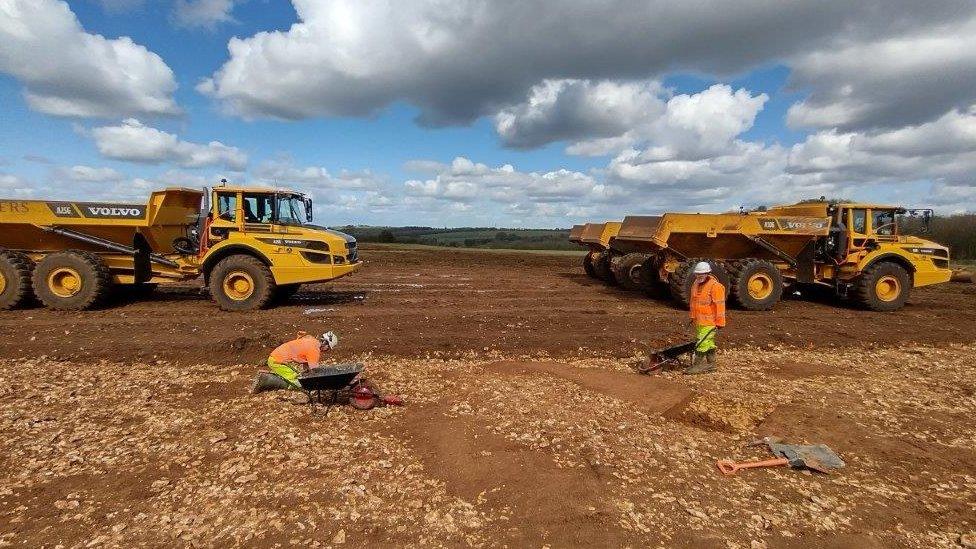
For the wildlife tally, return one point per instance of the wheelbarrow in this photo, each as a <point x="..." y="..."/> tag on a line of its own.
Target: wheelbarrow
<point x="675" y="357"/>
<point x="341" y="384"/>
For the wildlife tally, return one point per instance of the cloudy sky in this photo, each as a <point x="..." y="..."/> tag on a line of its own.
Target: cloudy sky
<point x="493" y="112"/>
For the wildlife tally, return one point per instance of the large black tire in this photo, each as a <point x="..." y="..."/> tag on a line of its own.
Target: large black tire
<point x="757" y="285"/>
<point x="241" y="283"/>
<point x="72" y="280"/>
<point x="884" y="286"/>
<point x="15" y="279"/>
<point x="601" y="265"/>
<point x="588" y="265"/>
<point x="650" y="279"/>
<point x="626" y="270"/>
<point x="681" y="280"/>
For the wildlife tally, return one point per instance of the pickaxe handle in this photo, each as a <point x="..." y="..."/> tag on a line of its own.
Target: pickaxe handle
<point x="730" y="468"/>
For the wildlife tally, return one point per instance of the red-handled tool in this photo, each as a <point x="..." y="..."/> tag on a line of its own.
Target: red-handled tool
<point x="815" y="457"/>
<point x="730" y="467"/>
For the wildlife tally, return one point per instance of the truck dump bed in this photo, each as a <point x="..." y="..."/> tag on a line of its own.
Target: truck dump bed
<point x="165" y="217"/>
<point x="599" y="235"/>
<point x="721" y="236"/>
<point x="576" y="234"/>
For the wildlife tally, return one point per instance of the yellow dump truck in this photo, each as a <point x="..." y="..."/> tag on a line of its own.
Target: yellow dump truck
<point x="596" y="237"/>
<point x="251" y="245"/>
<point x="856" y="249"/>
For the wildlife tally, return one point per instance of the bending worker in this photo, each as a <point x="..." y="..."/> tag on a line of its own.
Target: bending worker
<point x="291" y="359"/>
<point x="707" y="315"/>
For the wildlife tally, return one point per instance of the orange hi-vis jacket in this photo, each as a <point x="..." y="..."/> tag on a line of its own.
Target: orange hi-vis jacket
<point x="304" y="350"/>
<point x="708" y="303"/>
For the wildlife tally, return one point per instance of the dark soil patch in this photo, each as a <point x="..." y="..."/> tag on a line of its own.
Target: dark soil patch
<point x="412" y="302"/>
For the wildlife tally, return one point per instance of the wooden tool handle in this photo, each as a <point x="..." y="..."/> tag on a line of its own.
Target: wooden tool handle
<point x="730" y="468"/>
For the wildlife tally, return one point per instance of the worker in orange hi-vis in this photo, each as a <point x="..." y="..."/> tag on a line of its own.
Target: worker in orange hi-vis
<point x="291" y="359"/>
<point x="708" y="315"/>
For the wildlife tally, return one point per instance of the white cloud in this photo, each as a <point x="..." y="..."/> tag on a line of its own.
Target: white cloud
<point x="88" y="174"/>
<point x="203" y="13"/>
<point x="68" y="72"/>
<point x="606" y="117"/>
<point x="890" y="81"/>
<point x="284" y="173"/>
<point x="13" y="186"/>
<point x="574" y="110"/>
<point x="463" y="59"/>
<point x="133" y="141"/>
<point x="465" y="180"/>
<point x="944" y="149"/>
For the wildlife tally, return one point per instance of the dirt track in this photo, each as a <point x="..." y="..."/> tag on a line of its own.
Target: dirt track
<point x="547" y="438"/>
<point x="451" y="302"/>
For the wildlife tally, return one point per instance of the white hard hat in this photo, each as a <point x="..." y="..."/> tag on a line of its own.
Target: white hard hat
<point x="330" y="339"/>
<point x="703" y="267"/>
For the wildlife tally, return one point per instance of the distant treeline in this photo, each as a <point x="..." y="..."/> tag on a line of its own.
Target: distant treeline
<point x="957" y="231"/>
<point x="466" y="237"/>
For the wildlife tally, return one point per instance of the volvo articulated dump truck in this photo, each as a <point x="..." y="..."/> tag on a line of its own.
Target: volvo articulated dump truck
<point x="856" y="249"/>
<point x="249" y="244"/>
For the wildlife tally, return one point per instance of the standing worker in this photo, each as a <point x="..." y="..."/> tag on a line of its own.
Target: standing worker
<point x="707" y="315"/>
<point x="291" y="359"/>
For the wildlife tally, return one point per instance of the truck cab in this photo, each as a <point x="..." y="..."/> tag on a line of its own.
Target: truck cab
<point x="866" y="237"/>
<point x="274" y="227"/>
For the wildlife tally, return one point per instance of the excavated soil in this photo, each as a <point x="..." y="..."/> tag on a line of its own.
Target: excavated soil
<point x="524" y="427"/>
<point x="445" y="302"/>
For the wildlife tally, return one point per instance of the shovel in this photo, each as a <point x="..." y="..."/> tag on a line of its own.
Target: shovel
<point x="816" y="457"/>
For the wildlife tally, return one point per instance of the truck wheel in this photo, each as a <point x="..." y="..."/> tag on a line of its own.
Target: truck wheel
<point x="627" y="269"/>
<point x="650" y="279"/>
<point x="883" y="287"/>
<point x="601" y="265"/>
<point x="588" y="264"/>
<point x="681" y="280"/>
<point x="15" y="279"/>
<point x="72" y="280"/>
<point x="241" y="283"/>
<point x="757" y="285"/>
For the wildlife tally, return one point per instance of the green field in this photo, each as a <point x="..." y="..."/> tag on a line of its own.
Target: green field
<point x="467" y="237"/>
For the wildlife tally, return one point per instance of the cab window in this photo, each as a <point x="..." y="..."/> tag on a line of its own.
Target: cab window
<point x="859" y="221"/>
<point x="227" y="206"/>
<point x="291" y="210"/>
<point x="883" y="222"/>
<point x="258" y="208"/>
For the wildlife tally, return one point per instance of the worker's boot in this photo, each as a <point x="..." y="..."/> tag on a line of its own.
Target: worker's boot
<point x="266" y="381"/>
<point x="699" y="365"/>
<point x="710" y="356"/>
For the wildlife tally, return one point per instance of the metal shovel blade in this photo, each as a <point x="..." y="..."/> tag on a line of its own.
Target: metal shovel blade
<point x="817" y="457"/>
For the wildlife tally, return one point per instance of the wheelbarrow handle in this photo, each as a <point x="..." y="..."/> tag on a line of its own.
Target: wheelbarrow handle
<point x="730" y="468"/>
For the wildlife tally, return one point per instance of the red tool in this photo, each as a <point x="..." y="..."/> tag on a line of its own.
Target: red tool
<point x="816" y="457"/>
<point x="365" y="397"/>
<point x="730" y="468"/>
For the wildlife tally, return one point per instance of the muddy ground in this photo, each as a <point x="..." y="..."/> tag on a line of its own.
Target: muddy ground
<point x="525" y="427"/>
<point x="444" y="302"/>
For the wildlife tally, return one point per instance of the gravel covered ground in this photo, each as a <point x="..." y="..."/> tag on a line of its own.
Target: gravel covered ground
<point x="494" y="450"/>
